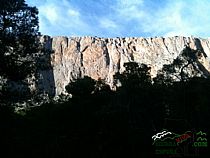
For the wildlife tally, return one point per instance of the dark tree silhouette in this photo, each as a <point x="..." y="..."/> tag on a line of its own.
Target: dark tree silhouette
<point x="81" y="87"/>
<point x="135" y="86"/>
<point x="20" y="49"/>
<point x="134" y="76"/>
<point x="96" y="115"/>
<point x="184" y="67"/>
<point x="175" y="83"/>
<point x="18" y="38"/>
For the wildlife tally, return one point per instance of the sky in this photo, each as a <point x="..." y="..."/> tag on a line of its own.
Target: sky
<point x="124" y="18"/>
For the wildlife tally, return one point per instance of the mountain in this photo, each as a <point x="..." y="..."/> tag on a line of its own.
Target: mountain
<point x="96" y="57"/>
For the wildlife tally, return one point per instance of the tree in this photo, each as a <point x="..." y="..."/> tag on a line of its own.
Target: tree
<point x="185" y="66"/>
<point x="134" y="76"/>
<point x="81" y="87"/>
<point x="19" y="48"/>
<point x="18" y="39"/>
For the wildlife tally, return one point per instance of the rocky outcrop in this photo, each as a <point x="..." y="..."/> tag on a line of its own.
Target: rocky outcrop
<point x="97" y="57"/>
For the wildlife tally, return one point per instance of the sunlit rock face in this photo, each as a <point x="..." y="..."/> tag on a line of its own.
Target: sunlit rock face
<point x="97" y="57"/>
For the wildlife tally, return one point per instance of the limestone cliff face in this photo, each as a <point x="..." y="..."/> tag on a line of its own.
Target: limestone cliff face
<point x="97" y="57"/>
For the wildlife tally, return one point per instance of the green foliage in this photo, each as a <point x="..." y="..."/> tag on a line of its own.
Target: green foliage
<point x="81" y="87"/>
<point x="21" y="52"/>
<point x="134" y="76"/>
<point x="177" y="71"/>
<point x="18" y="39"/>
<point x="115" y="122"/>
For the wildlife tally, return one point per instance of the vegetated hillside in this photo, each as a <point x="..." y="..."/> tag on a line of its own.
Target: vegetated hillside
<point x="99" y="122"/>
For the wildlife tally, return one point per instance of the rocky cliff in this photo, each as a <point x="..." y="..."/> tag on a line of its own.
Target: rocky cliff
<point x="97" y="57"/>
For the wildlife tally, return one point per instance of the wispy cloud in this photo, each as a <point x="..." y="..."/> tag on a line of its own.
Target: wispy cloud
<point x="166" y="20"/>
<point x="178" y="18"/>
<point x="124" y="17"/>
<point x="189" y="17"/>
<point x="129" y="9"/>
<point x="61" y="18"/>
<point x="50" y="13"/>
<point x="107" y="23"/>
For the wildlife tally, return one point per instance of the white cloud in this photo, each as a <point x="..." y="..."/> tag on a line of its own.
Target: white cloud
<point x="129" y="3"/>
<point x="179" y="18"/>
<point x="168" y="19"/>
<point x="60" y="18"/>
<point x="72" y="12"/>
<point x="107" y="23"/>
<point x="129" y="9"/>
<point x="124" y="17"/>
<point x="50" y="12"/>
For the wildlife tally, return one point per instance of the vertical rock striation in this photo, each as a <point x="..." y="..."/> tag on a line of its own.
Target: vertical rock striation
<point x="97" y="57"/>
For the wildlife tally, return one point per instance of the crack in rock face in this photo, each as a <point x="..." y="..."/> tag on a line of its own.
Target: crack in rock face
<point x="76" y="57"/>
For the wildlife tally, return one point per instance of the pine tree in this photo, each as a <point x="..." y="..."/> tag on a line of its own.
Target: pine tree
<point x="19" y="48"/>
<point x="18" y="39"/>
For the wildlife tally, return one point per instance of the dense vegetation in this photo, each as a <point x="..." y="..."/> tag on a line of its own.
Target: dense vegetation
<point x="98" y="122"/>
<point x="20" y="50"/>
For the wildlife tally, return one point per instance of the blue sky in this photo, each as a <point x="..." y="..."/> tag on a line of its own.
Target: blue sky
<point x="124" y="18"/>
